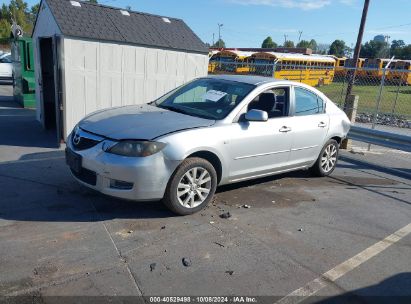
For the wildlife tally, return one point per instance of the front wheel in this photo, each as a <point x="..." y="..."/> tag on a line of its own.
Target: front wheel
<point x="191" y="187"/>
<point x="327" y="160"/>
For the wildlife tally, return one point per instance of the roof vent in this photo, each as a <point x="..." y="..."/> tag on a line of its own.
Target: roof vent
<point x="124" y="13"/>
<point x="75" y="3"/>
<point x="166" y="20"/>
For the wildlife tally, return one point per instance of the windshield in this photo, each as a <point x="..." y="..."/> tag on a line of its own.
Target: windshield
<point x="206" y="98"/>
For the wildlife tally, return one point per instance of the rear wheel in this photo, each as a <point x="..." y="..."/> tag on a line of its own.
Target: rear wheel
<point x="191" y="187"/>
<point x="327" y="160"/>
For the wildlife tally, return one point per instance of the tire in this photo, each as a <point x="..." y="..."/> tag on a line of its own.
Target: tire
<point x="184" y="196"/>
<point x="327" y="160"/>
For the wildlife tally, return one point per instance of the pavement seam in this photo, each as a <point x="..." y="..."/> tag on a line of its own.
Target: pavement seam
<point x="132" y="277"/>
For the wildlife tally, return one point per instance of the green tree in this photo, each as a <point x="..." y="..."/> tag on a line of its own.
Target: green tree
<point x="219" y="44"/>
<point x="18" y="11"/>
<point x="313" y="45"/>
<point x="337" y="48"/>
<point x="375" y="49"/>
<point x="268" y="43"/>
<point x="289" y="44"/>
<point x="405" y="52"/>
<point x="5" y="28"/>
<point x="304" y="44"/>
<point x="397" y="47"/>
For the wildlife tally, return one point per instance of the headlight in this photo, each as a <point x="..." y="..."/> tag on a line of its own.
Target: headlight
<point x="136" y="148"/>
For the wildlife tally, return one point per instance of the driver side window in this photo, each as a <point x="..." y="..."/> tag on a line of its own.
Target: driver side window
<point x="273" y="101"/>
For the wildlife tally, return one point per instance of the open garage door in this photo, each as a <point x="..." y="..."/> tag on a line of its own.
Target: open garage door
<point x="50" y="86"/>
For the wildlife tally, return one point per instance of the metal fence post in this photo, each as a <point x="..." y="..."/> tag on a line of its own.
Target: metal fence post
<point x="351" y="111"/>
<point x="377" y="106"/>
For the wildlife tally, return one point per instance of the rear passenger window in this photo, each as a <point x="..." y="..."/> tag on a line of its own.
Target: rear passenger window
<point x="307" y="103"/>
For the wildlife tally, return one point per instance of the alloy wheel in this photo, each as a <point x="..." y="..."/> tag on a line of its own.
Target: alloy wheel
<point x="329" y="158"/>
<point x="194" y="187"/>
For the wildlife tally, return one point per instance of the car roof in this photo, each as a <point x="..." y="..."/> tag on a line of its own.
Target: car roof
<point x="255" y="80"/>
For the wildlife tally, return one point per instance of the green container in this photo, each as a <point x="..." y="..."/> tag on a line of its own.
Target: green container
<point x="23" y="72"/>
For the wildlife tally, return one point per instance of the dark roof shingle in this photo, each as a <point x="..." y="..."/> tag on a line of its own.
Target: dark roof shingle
<point x="100" y="22"/>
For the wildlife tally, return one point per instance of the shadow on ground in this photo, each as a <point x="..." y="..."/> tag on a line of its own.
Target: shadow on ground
<point x="395" y="289"/>
<point x="19" y="126"/>
<point x="39" y="187"/>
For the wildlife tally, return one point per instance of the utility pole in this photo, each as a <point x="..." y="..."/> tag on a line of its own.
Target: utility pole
<point x="351" y="73"/>
<point x="299" y="35"/>
<point x="386" y="37"/>
<point x="219" y="34"/>
<point x="285" y="39"/>
<point x="213" y="40"/>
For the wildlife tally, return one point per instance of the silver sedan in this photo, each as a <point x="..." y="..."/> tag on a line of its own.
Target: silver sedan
<point x="211" y="131"/>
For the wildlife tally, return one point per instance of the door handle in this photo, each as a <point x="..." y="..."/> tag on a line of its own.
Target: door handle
<point x="285" y="129"/>
<point x="322" y="125"/>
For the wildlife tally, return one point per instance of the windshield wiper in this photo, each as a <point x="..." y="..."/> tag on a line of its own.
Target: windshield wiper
<point x="174" y="109"/>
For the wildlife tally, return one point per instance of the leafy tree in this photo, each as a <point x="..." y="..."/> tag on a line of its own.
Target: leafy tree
<point x="19" y="11"/>
<point x="219" y="44"/>
<point x="397" y="47"/>
<point x="289" y="44"/>
<point x="268" y="43"/>
<point x="312" y="44"/>
<point x="405" y="52"/>
<point x="375" y="49"/>
<point x="92" y="1"/>
<point x="304" y="44"/>
<point x="337" y="48"/>
<point x="5" y="28"/>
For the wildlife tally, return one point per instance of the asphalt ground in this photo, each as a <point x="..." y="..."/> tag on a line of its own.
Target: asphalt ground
<point x="58" y="238"/>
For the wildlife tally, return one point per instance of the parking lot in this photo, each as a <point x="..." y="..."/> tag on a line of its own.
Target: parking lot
<point x="58" y="238"/>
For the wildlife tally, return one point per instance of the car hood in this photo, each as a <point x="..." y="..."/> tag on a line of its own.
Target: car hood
<point x="139" y="122"/>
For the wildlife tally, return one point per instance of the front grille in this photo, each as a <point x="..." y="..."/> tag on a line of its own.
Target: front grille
<point x="86" y="176"/>
<point x="84" y="143"/>
<point x="82" y="140"/>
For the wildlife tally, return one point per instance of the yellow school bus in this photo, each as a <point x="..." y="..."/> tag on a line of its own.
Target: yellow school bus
<point x="339" y="66"/>
<point x="230" y="61"/>
<point x="211" y="60"/>
<point x="373" y="68"/>
<point x="400" y="72"/>
<point x="348" y="63"/>
<point x="313" y="70"/>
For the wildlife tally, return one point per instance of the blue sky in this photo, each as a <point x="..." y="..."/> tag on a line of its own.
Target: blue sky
<point x="248" y="22"/>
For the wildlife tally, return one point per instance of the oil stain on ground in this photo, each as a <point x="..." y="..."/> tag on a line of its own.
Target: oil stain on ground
<point x="286" y="191"/>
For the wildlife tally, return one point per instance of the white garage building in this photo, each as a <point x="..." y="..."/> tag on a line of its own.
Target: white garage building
<point x="89" y="57"/>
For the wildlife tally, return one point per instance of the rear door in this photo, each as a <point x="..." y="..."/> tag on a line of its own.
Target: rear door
<point x="310" y="126"/>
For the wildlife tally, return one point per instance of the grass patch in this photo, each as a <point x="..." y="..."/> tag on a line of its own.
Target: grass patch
<point x="392" y="100"/>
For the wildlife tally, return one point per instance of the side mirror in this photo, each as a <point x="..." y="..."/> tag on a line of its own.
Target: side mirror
<point x="256" y="115"/>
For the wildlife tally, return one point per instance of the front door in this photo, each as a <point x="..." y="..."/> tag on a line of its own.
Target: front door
<point x="261" y="148"/>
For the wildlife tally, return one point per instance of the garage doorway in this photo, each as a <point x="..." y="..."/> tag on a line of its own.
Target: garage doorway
<point x="49" y="86"/>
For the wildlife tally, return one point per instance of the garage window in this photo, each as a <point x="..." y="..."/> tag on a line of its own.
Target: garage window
<point x="307" y="103"/>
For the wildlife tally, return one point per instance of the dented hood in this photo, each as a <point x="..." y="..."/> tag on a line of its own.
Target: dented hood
<point x="140" y="122"/>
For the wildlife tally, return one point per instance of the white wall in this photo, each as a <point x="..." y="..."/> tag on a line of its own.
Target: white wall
<point x="46" y="26"/>
<point x="100" y="75"/>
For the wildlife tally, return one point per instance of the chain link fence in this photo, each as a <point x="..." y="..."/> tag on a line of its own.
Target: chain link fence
<point x="384" y="94"/>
